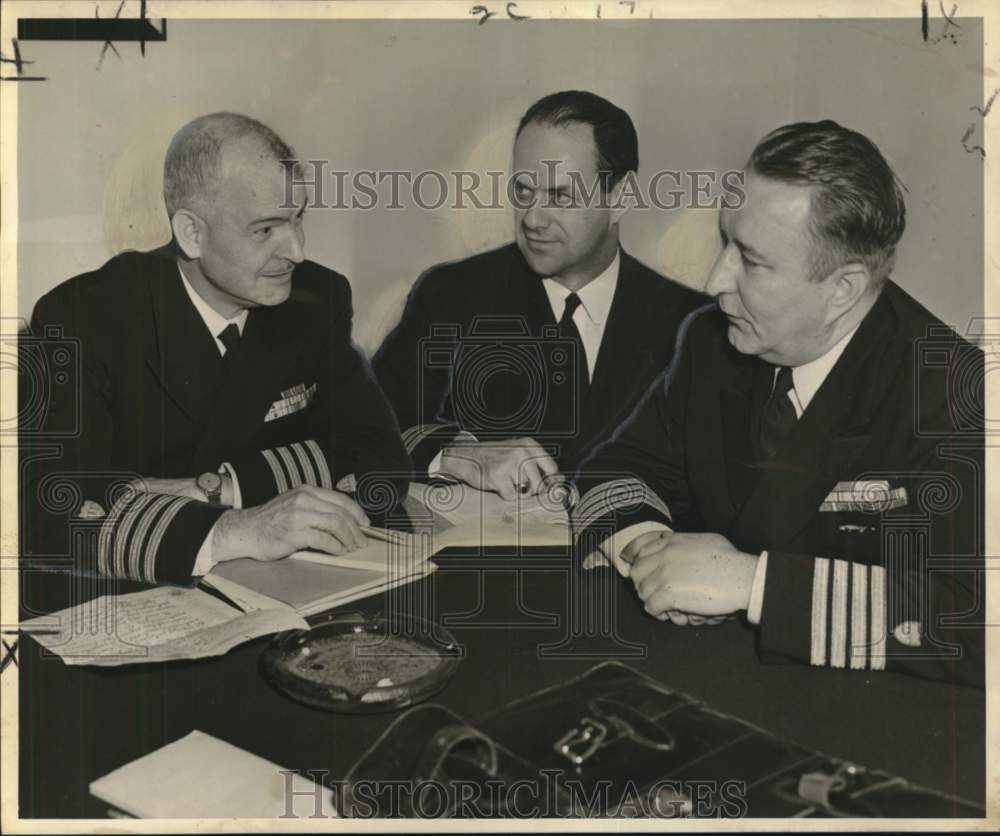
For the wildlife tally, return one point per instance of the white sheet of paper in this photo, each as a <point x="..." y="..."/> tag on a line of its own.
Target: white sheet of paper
<point x="155" y="625"/>
<point x="379" y="555"/>
<point x="308" y="586"/>
<point x="246" y="599"/>
<point x="200" y="776"/>
<point x="483" y="518"/>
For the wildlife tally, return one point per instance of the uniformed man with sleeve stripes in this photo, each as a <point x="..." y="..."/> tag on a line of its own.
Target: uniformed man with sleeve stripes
<point x="814" y="456"/>
<point x="218" y="408"/>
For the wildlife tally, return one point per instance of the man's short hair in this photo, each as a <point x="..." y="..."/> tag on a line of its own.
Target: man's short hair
<point x="192" y="168"/>
<point x="857" y="211"/>
<point x="614" y="133"/>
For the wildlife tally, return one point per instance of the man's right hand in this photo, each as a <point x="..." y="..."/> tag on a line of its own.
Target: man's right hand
<point x="509" y="468"/>
<point x="303" y="518"/>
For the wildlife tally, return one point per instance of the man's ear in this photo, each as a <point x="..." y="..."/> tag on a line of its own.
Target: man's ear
<point x="188" y="229"/>
<point x="623" y="196"/>
<point x="848" y="284"/>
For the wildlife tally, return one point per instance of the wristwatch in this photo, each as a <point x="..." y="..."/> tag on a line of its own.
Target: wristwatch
<point x="210" y="484"/>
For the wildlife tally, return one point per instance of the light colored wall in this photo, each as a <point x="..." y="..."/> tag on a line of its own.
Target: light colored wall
<point x="443" y="95"/>
<point x="915" y="102"/>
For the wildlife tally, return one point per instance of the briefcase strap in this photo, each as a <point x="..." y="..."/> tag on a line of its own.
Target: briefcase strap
<point x="471" y="746"/>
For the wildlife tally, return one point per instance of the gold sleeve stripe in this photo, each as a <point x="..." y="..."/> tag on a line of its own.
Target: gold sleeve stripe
<point x="291" y="471"/>
<point x="414" y="435"/>
<point x="877" y="609"/>
<point x="859" y="616"/>
<point x="616" y="495"/>
<point x="848" y="615"/>
<point x="125" y="546"/>
<point x="279" y="474"/>
<point x="127" y="517"/>
<point x="136" y="551"/>
<point x="300" y="463"/>
<point x="104" y="540"/>
<point x="821" y="577"/>
<point x="156" y="538"/>
<point x="325" y="480"/>
<point x="305" y="465"/>
<point x="838" y="615"/>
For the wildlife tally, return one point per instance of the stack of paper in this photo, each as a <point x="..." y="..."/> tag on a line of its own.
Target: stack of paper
<point x="201" y="777"/>
<point x="312" y="582"/>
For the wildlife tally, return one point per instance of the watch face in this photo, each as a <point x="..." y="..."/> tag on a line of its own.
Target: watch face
<point x="209" y="482"/>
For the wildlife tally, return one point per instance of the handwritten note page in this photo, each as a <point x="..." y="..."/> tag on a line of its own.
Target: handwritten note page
<point x="156" y="625"/>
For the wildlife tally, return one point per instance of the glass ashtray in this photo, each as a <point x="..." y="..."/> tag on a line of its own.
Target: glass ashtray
<point x="356" y="665"/>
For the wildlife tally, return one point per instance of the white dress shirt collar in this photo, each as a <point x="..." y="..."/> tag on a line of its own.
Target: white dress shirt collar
<point x="807" y="379"/>
<point x="214" y="321"/>
<point x="595" y="297"/>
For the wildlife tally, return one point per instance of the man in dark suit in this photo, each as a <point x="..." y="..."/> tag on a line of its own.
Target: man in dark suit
<point x="511" y="365"/>
<point x="219" y="401"/>
<point x="814" y="456"/>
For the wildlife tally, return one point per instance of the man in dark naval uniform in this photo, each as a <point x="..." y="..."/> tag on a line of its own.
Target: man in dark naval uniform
<point x="814" y="458"/>
<point x="217" y="401"/>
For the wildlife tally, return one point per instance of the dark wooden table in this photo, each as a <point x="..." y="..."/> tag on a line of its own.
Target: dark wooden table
<point x="525" y="623"/>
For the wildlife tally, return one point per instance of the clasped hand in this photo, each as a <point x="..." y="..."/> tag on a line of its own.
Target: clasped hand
<point x="689" y="578"/>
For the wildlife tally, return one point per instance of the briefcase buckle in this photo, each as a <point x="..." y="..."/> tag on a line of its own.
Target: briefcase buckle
<point x="579" y="744"/>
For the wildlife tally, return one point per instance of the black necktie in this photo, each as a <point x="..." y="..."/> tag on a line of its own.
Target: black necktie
<point x="230" y="338"/>
<point x="569" y="331"/>
<point x="778" y="416"/>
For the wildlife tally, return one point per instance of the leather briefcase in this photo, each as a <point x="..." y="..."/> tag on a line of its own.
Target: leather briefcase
<point x="616" y="743"/>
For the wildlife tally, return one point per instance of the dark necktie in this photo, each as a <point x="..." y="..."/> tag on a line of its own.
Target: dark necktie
<point x="230" y="338"/>
<point x="569" y="331"/>
<point x="564" y="410"/>
<point x="778" y="417"/>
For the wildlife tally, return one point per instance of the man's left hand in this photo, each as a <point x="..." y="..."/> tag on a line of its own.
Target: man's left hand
<point x="693" y="578"/>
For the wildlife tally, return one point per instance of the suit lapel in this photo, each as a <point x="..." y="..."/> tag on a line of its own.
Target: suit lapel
<point x="622" y="354"/>
<point x="828" y="438"/>
<point x="741" y="403"/>
<point x="250" y="381"/>
<point x="524" y="296"/>
<point x="227" y="401"/>
<point x="183" y="354"/>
